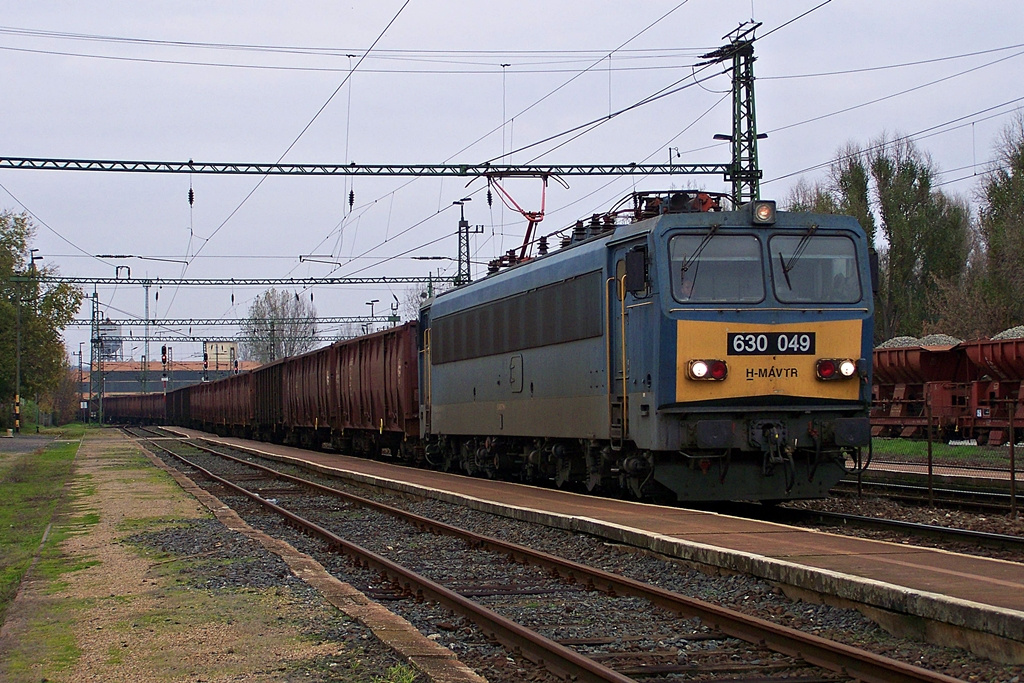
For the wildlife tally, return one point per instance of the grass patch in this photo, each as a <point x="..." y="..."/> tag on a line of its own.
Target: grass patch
<point x="52" y="643"/>
<point x="30" y="488"/>
<point x="400" y="673"/>
<point x="916" y="451"/>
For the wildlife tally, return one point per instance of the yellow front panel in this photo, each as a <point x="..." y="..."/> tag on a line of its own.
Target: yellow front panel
<point x="779" y="375"/>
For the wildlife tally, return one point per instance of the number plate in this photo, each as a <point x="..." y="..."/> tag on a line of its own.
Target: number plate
<point x="771" y="343"/>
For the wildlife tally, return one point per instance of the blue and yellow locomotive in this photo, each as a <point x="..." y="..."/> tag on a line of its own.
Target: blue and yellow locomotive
<point x="669" y="350"/>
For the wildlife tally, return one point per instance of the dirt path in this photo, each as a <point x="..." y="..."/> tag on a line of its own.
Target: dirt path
<point x="96" y="607"/>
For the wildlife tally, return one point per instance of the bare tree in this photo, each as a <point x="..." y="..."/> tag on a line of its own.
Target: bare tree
<point x="280" y="323"/>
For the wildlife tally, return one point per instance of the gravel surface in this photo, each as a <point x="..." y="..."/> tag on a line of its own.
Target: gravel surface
<point x="743" y="593"/>
<point x="896" y="342"/>
<point x="938" y="340"/>
<point x="222" y="560"/>
<point x="1016" y="332"/>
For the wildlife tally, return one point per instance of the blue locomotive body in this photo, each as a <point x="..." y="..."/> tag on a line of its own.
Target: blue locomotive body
<point x="685" y="355"/>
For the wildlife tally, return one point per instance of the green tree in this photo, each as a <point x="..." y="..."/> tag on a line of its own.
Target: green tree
<point x="1001" y="224"/>
<point x="923" y="234"/>
<point x="39" y="310"/>
<point x="280" y="323"/>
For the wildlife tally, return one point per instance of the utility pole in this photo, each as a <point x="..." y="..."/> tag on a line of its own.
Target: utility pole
<point x="81" y="393"/>
<point x="744" y="172"/>
<point x="17" y="374"/>
<point x="17" y="363"/>
<point x="464" y="275"/>
<point x="145" y="358"/>
<point x="94" y="354"/>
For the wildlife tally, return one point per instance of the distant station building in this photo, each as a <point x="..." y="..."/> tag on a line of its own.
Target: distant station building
<point x="129" y="376"/>
<point x="110" y="346"/>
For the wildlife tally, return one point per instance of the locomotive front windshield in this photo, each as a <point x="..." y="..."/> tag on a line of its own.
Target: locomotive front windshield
<point x="814" y="269"/>
<point x="716" y="268"/>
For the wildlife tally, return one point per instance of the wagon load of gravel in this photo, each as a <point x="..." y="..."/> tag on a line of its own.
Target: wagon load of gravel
<point x="898" y="342"/>
<point x="939" y="340"/>
<point x="1012" y="333"/>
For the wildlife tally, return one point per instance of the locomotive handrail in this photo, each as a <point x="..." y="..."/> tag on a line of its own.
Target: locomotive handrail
<point x="621" y="292"/>
<point x="608" y="348"/>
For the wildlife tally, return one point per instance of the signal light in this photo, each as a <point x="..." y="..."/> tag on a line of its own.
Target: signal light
<point x="835" y="368"/>
<point x="163" y="354"/>
<point x="206" y="361"/>
<point x="713" y="370"/>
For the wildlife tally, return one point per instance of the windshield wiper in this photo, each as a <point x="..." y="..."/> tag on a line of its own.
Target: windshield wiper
<point x="700" y="247"/>
<point x="801" y="246"/>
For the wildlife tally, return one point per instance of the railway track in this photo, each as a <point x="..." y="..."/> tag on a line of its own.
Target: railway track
<point x="933" y="532"/>
<point x="917" y="493"/>
<point x="142" y="432"/>
<point x="501" y="569"/>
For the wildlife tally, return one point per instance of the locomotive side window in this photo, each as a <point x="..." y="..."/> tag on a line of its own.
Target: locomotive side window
<point x="814" y="269"/>
<point x="566" y="311"/>
<point x="716" y="268"/>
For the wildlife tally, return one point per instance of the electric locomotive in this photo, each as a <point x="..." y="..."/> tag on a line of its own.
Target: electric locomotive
<point x="671" y="350"/>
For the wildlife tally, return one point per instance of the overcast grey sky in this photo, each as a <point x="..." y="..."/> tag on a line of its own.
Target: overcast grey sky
<point x="239" y="81"/>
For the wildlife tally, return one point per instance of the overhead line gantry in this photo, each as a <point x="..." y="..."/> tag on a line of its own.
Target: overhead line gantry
<point x="216" y="322"/>
<point x="235" y="282"/>
<point x="415" y="170"/>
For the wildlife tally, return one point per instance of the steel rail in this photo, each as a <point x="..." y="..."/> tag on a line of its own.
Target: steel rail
<point x="860" y="664"/>
<point x="943" y="497"/>
<point x="915" y="528"/>
<point x="558" y="659"/>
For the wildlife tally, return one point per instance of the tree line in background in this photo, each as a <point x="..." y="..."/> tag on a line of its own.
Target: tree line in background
<point x="37" y="312"/>
<point x="280" y="323"/>
<point x="944" y="269"/>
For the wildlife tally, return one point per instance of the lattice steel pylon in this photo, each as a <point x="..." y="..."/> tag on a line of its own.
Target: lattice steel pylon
<point x="95" y="361"/>
<point x="744" y="172"/>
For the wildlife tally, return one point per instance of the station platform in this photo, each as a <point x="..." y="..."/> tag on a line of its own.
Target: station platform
<point x="943" y="597"/>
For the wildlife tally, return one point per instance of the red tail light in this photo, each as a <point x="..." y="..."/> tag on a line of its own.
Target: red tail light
<point x="718" y="369"/>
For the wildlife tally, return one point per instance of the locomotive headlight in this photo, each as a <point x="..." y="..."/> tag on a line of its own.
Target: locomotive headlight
<point x="764" y="212"/>
<point x="714" y="370"/>
<point x="835" y="368"/>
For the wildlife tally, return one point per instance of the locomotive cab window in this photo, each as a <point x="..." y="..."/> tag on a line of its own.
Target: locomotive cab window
<point x="814" y="269"/>
<point x="716" y="268"/>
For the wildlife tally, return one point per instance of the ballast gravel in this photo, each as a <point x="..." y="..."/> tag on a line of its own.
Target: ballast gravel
<point x="746" y="594"/>
<point x="218" y="559"/>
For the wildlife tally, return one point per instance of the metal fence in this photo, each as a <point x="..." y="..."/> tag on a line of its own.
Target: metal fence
<point x="977" y="450"/>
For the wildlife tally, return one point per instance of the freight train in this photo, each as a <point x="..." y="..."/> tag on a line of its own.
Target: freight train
<point x="968" y="390"/>
<point x="669" y="350"/>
